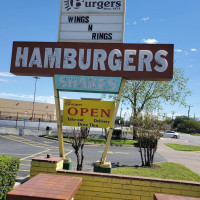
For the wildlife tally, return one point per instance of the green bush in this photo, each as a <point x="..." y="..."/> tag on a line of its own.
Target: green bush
<point x="8" y="173"/>
<point x="117" y="134"/>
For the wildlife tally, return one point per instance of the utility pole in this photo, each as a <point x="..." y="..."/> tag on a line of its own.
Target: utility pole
<point x="164" y="115"/>
<point x="189" y="111"/>
<point x="172" y="115"/>
<point x="36" y="78"/>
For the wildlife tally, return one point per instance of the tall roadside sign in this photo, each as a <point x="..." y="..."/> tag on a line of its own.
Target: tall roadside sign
<point x="90" y="44"/>
<point x="91" y="21"/>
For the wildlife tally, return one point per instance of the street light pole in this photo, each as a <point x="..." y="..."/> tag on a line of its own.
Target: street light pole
<point x="36" y="78"/>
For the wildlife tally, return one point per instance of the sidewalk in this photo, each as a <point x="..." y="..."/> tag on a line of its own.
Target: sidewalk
<point x="189" y="159"/>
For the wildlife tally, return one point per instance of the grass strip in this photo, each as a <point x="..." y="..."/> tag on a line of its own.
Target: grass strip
<point x="101" y="141"/>
<point x="164" y="170"/>
<point x="180" y="147"/>
<point x="195" y="134"/>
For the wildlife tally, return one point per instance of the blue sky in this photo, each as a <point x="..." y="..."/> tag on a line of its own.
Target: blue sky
<point x="147" y="21"/>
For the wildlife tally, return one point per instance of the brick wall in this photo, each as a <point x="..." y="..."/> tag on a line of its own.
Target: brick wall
<point x="107" y="186"/>
<point x="98" y="186"/>
<point x="42" y="164"/>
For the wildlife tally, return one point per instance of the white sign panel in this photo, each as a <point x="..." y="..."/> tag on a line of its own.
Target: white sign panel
<point x="97" y="6"/>
<point x="92" y="21"/>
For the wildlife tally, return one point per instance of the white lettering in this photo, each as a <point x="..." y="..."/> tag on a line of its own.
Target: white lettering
<point x="160" y="60"/>
<point x="128" y="60"/>
<point x="100" y="56"/>
<point x="63" y="82"/>
<point x="118" y="62"/>
<point x="21" y="57"/>
<point x="72" y="82"/>
<point x="102" y="84"/>
<point x="145" y="58"/>
<point x="82" y="83"/>
<point x="112" y="84"/>
<point x="50" y="58"/>
<point x="81" y="59"/>
<point x="69" y="61"/>
<point x="36" y="58"/>
<point x="91" y="83"/>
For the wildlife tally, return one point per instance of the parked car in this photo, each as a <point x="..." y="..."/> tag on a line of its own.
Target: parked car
<point x="171" y="134"/>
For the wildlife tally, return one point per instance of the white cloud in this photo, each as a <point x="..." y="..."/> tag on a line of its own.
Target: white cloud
<point x="178" y="50"/>
<point x="127" y="23"/>
<point x="5" y="77"/>
<point x="193" y="49"/>
<point x="150" y="41"/>
<point x="6" y="74"/>
<point x="145" y="19"/>
<point x="135" y="22"/>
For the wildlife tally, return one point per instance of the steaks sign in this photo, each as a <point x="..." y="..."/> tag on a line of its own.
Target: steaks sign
<point x="130" y="61"/>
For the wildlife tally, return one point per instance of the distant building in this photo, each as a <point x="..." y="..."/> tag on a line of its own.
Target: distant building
<point x="23" y="110"/>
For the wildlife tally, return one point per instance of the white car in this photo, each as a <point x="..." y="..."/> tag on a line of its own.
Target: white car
<point x="171" y="134"/>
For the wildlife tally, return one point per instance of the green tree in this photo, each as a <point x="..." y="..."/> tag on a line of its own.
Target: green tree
<point x="179" y="122"/>
<point x="149" y="94"/>
<point x="192" y="125"/>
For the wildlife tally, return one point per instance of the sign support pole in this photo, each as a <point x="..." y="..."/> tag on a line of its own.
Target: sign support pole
<point x="59" y="121"/>
<point x="103" y="159"/>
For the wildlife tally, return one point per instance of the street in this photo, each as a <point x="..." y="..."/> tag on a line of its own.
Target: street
<point x="190" y="159"/>
<point x="28" y="147"/>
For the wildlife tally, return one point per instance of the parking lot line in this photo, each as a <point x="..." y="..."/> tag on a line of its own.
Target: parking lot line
<point x="23" y="170"/>
<point x="23" y="142"/>
<point x="109" y="152"/>
<point x="68" y="153"/>
<point x="34" y="154"/>
<point x="31" y="141"/>
<point x="122" y="153"/>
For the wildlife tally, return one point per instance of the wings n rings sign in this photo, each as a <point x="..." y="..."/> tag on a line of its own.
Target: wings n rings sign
<point x="92" y="20"/>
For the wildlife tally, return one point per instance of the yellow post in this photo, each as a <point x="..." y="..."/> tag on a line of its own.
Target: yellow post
<point x="103" y="159"/>
<point x="59" y="121"/>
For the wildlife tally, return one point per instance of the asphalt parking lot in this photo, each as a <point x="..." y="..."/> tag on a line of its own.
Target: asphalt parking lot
<point x="28" y="147"/>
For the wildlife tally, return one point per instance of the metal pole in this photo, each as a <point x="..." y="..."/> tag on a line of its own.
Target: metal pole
<point x="59" y="121"/>
<point x="16" y="119"/>
<point x="39" y="125"/>
<point x="189" y="111"/>
<point x="103" y="159"/>
<point x="172" y="115"/>
<point x="36" y="78"/>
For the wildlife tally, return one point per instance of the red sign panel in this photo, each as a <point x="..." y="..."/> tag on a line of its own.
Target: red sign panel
<point x="130" y="61"/>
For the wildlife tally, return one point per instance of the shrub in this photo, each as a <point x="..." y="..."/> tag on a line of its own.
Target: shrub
<point x="148" y="132"/>
<point x="8" y="173"/>
<point x="117" y="134"/>
<point x="77" y="140"/>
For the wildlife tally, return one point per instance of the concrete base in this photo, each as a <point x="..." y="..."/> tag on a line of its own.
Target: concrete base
<point x="103" y="168"/>
<point x="67" y="164"/>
